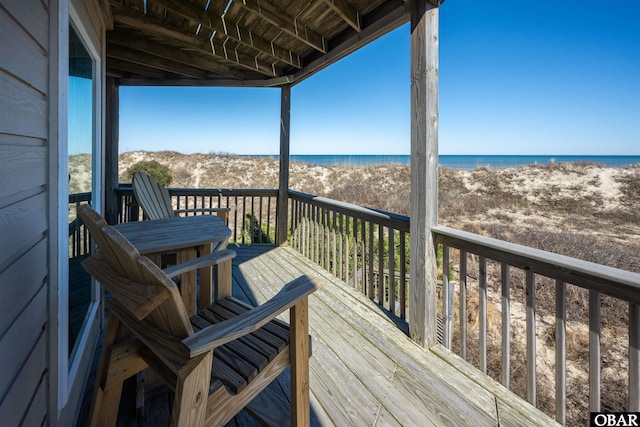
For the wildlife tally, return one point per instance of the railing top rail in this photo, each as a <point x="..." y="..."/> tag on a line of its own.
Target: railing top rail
<point x="611" y="281"/>
<point x="400" y="222"/>
<point x="223" y="191"/>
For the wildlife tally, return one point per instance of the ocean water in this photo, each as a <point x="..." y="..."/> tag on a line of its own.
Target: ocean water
<point x="456" y="161"/>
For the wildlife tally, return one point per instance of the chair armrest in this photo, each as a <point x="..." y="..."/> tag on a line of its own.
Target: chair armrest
<point x="252" y="320"/>
<point x="214" y="258"/>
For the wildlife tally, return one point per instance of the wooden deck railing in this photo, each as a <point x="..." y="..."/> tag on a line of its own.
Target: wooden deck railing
<point x="252" y="215"/>
<point x="78" y="233"/>
<point x="364" y="246"/>
<point x="358" y="245"/>
<point x="535" y="265"/>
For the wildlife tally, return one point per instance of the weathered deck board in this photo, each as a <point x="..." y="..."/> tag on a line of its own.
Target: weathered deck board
<point x="341" y="321"/>
<point x="364" y="370"/>
<point x="360" y="353"/>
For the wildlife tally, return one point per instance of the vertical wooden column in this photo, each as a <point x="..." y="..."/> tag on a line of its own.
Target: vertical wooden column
<point x="424" y="171"/>
<point x="283" y="187"/>
<point x="112" y="134"/>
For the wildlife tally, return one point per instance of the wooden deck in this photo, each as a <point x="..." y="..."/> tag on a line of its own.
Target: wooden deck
<point x="364" y="370"/>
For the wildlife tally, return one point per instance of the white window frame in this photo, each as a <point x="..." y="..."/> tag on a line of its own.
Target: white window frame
<point x="72" y="373"/>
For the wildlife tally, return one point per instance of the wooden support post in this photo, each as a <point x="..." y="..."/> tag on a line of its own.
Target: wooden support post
<point x="111" y="153"/>
<point x="283" y="188"/>
<point x="424" y="170"/>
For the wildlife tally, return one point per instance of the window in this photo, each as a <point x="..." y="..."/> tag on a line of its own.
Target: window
<point x="79" y="182"/>
<point x="81" y="125"/>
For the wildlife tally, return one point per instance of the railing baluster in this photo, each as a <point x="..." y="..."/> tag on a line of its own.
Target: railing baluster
<point x="447" y="303"/>
<point x="308" y="228"/>
<point x="482" y="312"/>
<point x="319" y="237"/>
<point x="334" y="226"/>
<point x="252" y="222"/>
<point x="372" y="282"/>
<point x="392" y="271"/>
<point x="363" y="255"/>
<point x="463" y="304"/>
<point x="531" y="336"/>
<point x="327" y="242"/>
<point x="237" y="228"/>
<point x="330" y="244"/>
<point x="295" y="225"/>
<point x="314" y="237"/>
<point x="561" y="352"/>
<point x="347" y="257"/>
<point x="506" y="324"/>
<point x="594" y="351"/>
<point x="269" y="221"/>
<point x="303" y="230"/>
<point x="244" y="219"/>
<point x="340" y="239"/>
<point x="381" y="285"/>
<point x="298" y="226"/>
<point x="356" y="243"/>
<point x="634" y="357"/>
<point x="403" y="276"/>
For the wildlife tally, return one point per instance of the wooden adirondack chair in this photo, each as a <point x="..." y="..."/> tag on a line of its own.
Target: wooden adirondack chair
<point x="216" y="362"/>
<point x="156" y="204"/>
<point x="156" y="201"/>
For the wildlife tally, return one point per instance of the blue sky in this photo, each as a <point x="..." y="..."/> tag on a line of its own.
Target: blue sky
<point x="516" y="77"/>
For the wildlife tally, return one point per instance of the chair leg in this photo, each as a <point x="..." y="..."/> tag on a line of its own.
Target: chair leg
<point x="105" y="402"/>
<point x="299" y="357"/>
<point x="192" y="391"/>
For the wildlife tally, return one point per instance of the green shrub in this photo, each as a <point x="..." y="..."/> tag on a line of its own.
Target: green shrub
<point x="152" y="168"/>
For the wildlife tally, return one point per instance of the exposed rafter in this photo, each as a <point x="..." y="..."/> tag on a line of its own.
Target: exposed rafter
<point x="288" y="24"/>
<point x="117" y="68"/>
<point x="145" y="59"/>
<point x="384" y="19"/>
<point x="161" y="29"/>
<point x="213" y="21"/>
<point x="346" y="12"/>
<point x="131" y="40"/>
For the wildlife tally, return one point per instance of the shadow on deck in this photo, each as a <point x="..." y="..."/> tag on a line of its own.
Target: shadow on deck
<point x="364" y="369"/>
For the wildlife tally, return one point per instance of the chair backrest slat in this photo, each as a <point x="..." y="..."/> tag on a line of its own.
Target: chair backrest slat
<point x="153" y="197"/>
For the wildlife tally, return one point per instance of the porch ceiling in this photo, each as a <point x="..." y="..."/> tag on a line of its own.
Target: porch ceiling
<point x="240" y="42"/>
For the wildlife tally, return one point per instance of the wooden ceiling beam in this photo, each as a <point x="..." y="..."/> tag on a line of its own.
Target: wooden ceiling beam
<point x="213" y="21"/>
<point x="148" y="60"/>
<point x="132" y="40"/>
<point x="116" y="67"/>
<point x="156" y="27"/>
<point x="346" y="12"/>
<point x="289" y="25"/>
